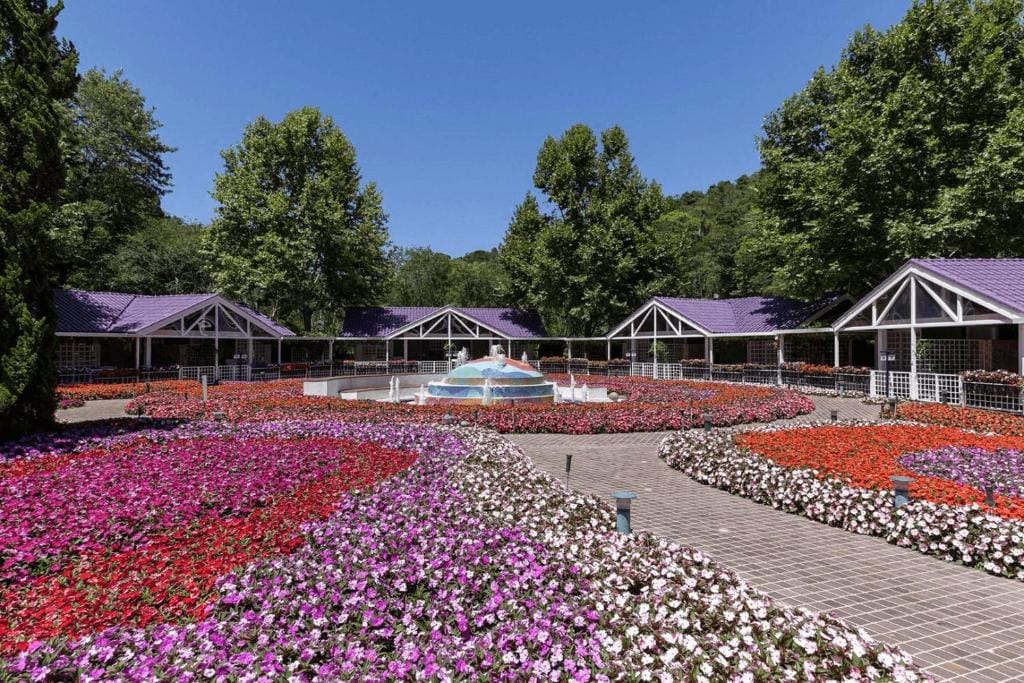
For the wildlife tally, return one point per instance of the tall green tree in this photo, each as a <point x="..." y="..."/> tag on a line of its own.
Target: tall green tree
<point x="477" y="279"/>
<point x="594" y="256"/>
<point x="296" y="232"/>
<point x="421" y="277"/>
<point x="116" y="177"/>
<point x="37" y="76"/>
<point x="700" y="231"/>
<point x="163" y="257"/>
<point x="912" y="145"/>
<point x="424" y="277"/>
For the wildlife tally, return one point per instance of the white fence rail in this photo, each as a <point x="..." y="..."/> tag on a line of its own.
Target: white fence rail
<point x="923" y="386"/>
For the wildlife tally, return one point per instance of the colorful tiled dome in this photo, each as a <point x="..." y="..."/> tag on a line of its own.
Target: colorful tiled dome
<point x="495" y="379"/>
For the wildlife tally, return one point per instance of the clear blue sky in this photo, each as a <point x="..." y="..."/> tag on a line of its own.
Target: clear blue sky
<point x="448" y="102"/>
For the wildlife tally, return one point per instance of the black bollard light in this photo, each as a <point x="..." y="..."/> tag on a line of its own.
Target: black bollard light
<point x="707" y="420"/>
<point x="990" y="495"/>
<point x="568" y="467"/>
<point x="834" y="414"/>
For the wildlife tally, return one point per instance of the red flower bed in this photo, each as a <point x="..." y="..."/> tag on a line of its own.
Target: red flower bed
<point x="100" y="392"/>
<point x="138" y="531"/>
<point x="965" y="418"/>
<point x="651" y="406"/>
<point x="866" y="457"/>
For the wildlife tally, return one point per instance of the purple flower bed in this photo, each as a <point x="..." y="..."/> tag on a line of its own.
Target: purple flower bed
<point x="1003" y="468"/>
<point x="472" y="564"/>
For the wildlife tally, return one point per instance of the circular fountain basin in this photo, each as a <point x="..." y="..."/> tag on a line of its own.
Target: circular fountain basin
<point x="502" y="380"/>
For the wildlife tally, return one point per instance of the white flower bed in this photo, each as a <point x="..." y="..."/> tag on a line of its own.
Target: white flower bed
<point x="672" y="612"/>
<point x="966" y="534"/>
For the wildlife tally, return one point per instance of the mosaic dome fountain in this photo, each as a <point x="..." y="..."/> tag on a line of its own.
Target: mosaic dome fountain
<point x="494" y="379"/>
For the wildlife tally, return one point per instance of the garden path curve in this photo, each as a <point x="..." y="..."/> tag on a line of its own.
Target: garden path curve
<point x="958" y="623"/>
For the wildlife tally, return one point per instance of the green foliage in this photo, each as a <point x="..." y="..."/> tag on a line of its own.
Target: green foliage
<point x="421" y="277"/>
<point x="594" y="257"/>
<point x="296" y="233"/>
<point x="700" y="231"/>
<point x="116" y="176"/>
<point x="424" y="277"/>
<point x="163" y="257"/>
<point x="913" y="145"/>
<point x="37" y="74"/>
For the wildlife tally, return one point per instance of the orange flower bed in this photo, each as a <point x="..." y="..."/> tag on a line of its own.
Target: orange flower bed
<point x="100" y="392"/>
<point x="866" y="457"/>
<point x="965" y="418"/>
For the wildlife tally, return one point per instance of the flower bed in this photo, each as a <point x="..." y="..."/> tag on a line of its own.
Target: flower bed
<point x="839" y="475"/>
<point x="965" y="418"/>
<point x="470" y="564"/>
<point x="652" y="406"/>
<point x="100" y="392"/>
<point x="136" y="529"/>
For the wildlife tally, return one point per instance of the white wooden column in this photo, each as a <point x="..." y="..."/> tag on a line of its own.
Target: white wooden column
<point x="608" y="354"/>
<point x="835" y="349"/>
<point x="782" y="356"/>
<point x="280" y="359"/>
<point x="330" y="350"/>
<point x="654" y="346"/>
<point x="913" y="338"/>
<point x="711" y="350"/>
<point x="149" y="352"/>
<point x="249" y="350"/>
<point x="138" y="346"/>
<point x="569" y="344"/>
<point x="405" y="349"/>
<point x="216" y="339"/>
<point x="1020" y="350"/>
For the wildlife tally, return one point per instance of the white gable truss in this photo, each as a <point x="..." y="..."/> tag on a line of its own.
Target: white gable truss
<point x="447" y="323"/>
<point x="654" y="319"/>
<point x="915" y="297"/>
<point x="215" y="317"/>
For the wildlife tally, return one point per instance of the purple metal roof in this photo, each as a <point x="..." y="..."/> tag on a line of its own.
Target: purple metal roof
<point x="746" y="315"/>
<point x="83" y="312"/>
<point x="999" y="279"/>
<point x="382" y="321"/>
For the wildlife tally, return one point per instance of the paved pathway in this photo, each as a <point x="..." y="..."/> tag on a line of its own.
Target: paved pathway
<point x="959" y="623"/>
<point x="94" y="410"/>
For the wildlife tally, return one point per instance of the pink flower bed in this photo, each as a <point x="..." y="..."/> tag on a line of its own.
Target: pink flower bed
<point x="650" y="406"/>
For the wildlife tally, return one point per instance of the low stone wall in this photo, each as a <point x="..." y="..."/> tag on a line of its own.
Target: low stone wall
<point x="333" y="386"/>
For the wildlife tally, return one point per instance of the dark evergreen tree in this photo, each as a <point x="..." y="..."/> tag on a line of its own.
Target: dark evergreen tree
<point x="37" y="77"/>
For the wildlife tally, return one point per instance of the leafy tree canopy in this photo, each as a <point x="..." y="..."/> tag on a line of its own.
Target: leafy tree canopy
<point x="116" y="178"/>
<point x="164" y="257"/>
<point x="592" y="256"/>
<point x="912" y="145"/>
<point x="296" y="232"/>
<point x="424" y="277"/>
<point x="700" y="231"/>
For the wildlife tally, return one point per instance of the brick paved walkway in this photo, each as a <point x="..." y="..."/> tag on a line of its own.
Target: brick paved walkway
<point x="959" y="623"/>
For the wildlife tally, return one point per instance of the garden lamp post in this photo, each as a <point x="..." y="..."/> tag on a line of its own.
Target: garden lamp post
<point x="900" y="490"/>
<point x="834" y="415"/>
<point x="568" y="467"/>
<point x="990" y="495"/>
<point x="622" y="504"/>
<point x="707" y="420"/>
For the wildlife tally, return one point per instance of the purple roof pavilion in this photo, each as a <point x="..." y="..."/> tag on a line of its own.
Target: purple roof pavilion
<point x="747" y="315"/>
<point x="82" y="312"/>
<point x="383" y="321"/>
